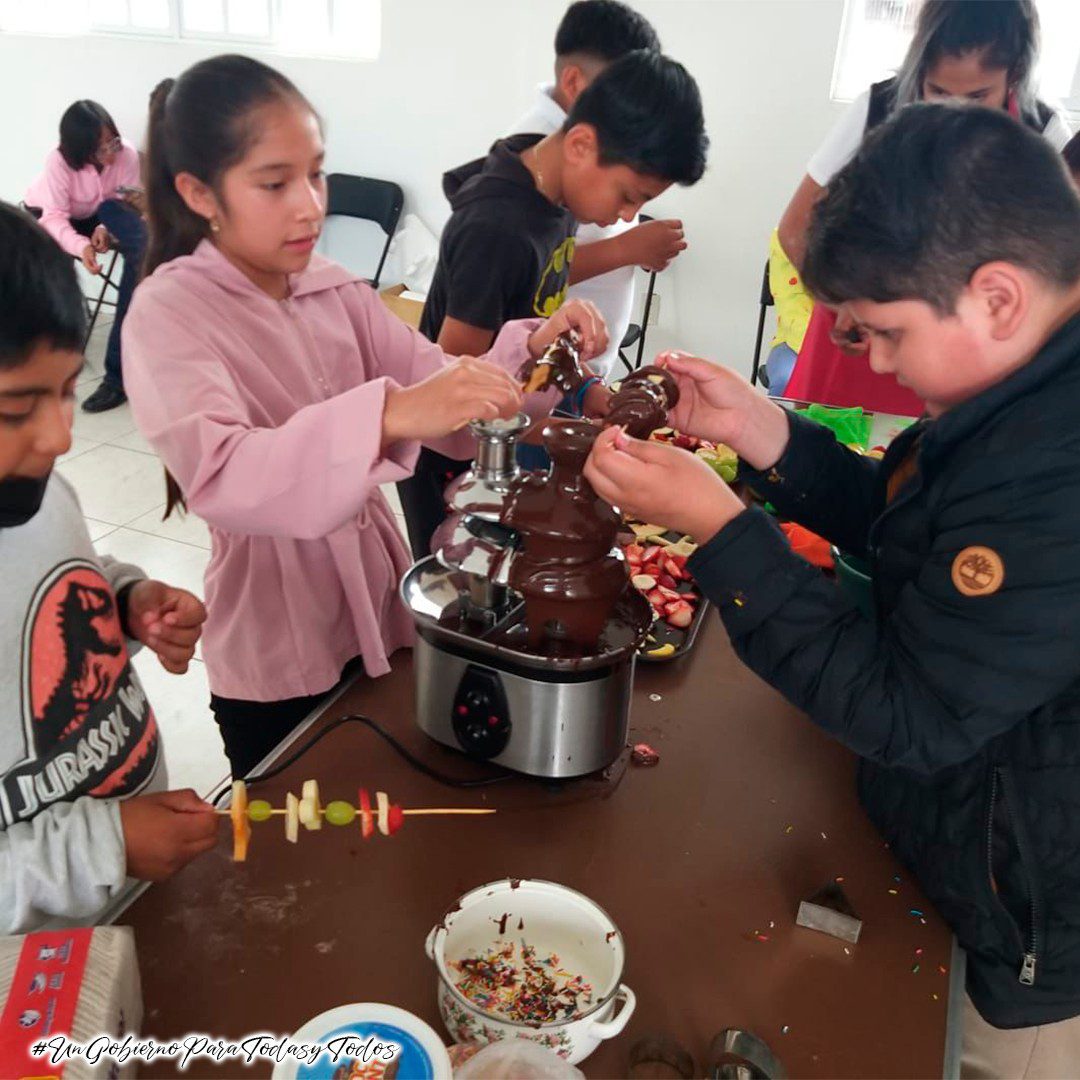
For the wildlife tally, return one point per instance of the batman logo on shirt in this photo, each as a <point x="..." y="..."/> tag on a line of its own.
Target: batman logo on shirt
<point x="555" y="280"/>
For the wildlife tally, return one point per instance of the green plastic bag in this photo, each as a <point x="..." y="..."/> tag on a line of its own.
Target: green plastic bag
<point x="851" y="426"/>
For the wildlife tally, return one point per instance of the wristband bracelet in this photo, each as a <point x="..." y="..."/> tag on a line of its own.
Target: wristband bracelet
<point x="582" y="390"/>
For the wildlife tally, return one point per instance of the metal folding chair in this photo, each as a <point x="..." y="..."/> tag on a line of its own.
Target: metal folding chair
<point x="101" y="299"/>
<point x="379" y="201"/>
<point x="757" y="372"/>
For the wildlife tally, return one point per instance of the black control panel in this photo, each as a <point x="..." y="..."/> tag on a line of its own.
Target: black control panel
<point x="481" y="715"/>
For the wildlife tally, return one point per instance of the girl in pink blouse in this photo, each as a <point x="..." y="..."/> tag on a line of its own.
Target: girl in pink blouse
<point x="281" y="393"/>
<point x="83" y="199"/>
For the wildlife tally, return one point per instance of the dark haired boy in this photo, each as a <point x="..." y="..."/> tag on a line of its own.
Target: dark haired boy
<point x="953" y="242"/>
<point x="78" y="738"/>
<point x="507" y="249"/>
<point x="591" y="35"/>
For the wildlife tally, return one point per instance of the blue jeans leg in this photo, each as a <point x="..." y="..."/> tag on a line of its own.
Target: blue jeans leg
<point x="130" y="232"/>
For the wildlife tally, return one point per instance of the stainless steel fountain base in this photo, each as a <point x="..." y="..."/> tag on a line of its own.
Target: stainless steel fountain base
<point x="543" y="727"/>
<point x="555" y="717"/>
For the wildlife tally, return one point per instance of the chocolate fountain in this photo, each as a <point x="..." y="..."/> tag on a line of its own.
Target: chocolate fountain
<point x="527" y="629"/>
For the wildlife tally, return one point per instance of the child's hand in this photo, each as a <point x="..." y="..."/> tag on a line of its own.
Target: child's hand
<point x="717" y="404"/>
<point x="660" y="484"/>
<point x="164" y="832"/>
<point x="136" y="200"/>
<point x="466" y="389"/>
<point x="581" y="316"/>
<point x="596" y="403"/>
<point x="166" y="620"/>
<point x="653" y="244"/>
<point x="100" y="239"/>
<point x="89" y="259"/>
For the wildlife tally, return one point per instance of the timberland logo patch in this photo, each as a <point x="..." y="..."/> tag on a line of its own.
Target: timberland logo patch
<point x="978" y="571"/>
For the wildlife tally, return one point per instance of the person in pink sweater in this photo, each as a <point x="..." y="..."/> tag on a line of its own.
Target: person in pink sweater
<point x="86" y="199"/>
<point x="281" y="393"/>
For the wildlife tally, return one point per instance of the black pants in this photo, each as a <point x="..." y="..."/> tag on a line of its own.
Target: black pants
<point x="250" y="730"/>
<point x="422" y="499"/>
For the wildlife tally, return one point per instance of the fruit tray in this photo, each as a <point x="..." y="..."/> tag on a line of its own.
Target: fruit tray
<point x="657" y="561"/>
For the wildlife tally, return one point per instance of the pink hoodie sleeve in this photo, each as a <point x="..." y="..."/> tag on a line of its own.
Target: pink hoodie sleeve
<point x="406" y="356"/>
<point x="53" y="193"/>
<point x="301" y="480"/>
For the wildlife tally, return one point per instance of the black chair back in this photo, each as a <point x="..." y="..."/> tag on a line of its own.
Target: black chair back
<point x="379" y="201"/>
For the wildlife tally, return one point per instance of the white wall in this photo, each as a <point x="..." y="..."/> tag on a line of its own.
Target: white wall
<point x="451" y="76"/>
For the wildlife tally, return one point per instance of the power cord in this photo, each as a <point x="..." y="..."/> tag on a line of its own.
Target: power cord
<point x="366" y="721"/>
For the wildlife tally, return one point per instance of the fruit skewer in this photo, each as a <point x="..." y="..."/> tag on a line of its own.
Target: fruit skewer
<point x="308" y="811"/>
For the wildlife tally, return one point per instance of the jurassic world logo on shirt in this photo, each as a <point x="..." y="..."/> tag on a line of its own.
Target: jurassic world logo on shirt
<point x="88" y="727"/>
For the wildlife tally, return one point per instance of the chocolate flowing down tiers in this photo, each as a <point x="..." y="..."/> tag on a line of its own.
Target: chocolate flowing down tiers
<point x="641" y="403"/>
<point x="566" y="569"/>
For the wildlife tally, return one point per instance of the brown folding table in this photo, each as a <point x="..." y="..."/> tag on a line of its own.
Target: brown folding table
<point x="701" y="860"/>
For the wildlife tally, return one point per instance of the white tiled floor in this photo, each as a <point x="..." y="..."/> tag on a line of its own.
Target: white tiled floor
<point x="120" y="483"/>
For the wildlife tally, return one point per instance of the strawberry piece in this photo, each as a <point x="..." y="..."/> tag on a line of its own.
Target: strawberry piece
<point x="652" y="553"/>
<point x="644" y="754"/>
<point x="685" y="442"/>
<point x="680" y="616"/>
<point x="367" y="823"/>
<point x="395" y="818"/>
<point x="657" y="599"/>
<point x="667" y="581"/>
<point x="680" y="561"/>
<point x="673" y="568"/>
<point x="668" y="594"/>
<point x="643" y="582"/>
<point x="634" y="552"/>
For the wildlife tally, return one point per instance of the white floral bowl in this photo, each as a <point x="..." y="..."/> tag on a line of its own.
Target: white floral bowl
<point x="551" y="919"/>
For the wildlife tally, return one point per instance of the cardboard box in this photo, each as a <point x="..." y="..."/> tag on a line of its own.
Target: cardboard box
<point x="82" y="983"/>
<point x="404" y="307"/>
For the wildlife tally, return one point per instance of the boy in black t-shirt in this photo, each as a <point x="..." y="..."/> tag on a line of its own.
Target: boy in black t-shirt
<point x="506" y="251"/>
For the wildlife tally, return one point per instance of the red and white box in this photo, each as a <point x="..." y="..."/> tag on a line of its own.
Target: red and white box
<point x="82" y="984"/>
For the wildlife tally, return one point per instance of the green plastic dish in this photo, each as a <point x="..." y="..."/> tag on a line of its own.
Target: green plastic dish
<point x="853" y="574"/>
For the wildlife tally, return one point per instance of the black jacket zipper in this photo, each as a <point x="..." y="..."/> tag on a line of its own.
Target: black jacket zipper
<point x="1030" y="950"/>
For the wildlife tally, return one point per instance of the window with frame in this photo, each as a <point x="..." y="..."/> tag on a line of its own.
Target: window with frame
<point x="344" y="29"/>
<point x="874" y="36"/>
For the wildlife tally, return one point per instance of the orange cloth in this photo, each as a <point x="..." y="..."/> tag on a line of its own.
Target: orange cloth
<point x="810" y="546"/>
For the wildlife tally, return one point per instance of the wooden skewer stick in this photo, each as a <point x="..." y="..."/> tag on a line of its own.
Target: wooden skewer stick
<point x="429" y="810"/>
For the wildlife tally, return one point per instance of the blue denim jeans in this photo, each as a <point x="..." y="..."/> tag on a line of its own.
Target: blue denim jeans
<point x="779" y="365"/>
<point x="129" y="230"/>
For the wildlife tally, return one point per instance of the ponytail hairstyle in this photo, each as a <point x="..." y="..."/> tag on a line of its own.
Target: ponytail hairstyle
<point x="1006" y="31"/>
<point x="200" y="123"/>
<point x="80" y="132"/>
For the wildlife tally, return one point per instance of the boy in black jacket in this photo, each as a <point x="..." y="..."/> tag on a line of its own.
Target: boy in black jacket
<point x="506" y="251"/>
<point x="953" y="242"/>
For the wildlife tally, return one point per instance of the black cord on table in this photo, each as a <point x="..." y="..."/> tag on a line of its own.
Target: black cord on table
<point x="366" y="721"/>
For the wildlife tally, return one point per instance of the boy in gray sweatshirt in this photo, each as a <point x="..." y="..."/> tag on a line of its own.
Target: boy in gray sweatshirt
<point x="81" y="764"/>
